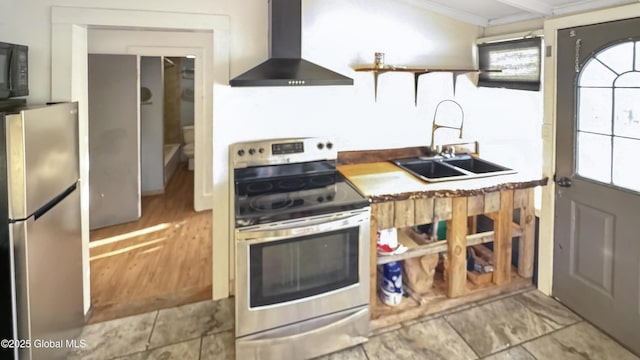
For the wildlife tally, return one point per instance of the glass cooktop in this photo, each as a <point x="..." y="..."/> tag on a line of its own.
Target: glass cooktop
<point x="281" y="192"/>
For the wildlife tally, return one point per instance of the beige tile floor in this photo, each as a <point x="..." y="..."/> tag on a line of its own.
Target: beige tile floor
<point x="527" y="325"/>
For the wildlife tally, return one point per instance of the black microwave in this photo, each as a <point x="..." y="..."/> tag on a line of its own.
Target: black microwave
<point x="14" y="70"/>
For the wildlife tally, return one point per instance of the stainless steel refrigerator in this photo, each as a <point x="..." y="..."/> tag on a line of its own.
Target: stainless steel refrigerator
<point x="41" y="249"/>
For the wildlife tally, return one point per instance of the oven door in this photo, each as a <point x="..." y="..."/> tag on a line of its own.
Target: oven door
<point x="301" y="269"/>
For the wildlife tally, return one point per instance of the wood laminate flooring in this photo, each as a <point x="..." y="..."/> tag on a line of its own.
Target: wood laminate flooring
<point x="160" y="261"/>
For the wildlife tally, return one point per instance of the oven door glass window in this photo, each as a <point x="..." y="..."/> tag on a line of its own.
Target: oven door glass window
<point x="300" y="267"/>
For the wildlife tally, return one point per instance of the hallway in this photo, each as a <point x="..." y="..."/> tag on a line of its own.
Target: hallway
<point x="162" y="260"/>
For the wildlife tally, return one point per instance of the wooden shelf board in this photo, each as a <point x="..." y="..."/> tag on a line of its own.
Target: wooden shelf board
<point x="383" y="315"/>
<point x="416" y="249"/>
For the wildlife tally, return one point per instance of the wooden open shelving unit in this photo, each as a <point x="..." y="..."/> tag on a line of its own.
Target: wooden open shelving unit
<point x="460" y="214"/>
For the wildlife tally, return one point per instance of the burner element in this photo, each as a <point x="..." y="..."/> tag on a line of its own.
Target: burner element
<point x="267" y="203"/>
<point x="322" y="180"/>
<point x="291" y="184"/>
<point x="259" y="187"/>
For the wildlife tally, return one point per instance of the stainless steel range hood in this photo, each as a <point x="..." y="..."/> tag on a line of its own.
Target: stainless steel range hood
<point x="285" y="66"/>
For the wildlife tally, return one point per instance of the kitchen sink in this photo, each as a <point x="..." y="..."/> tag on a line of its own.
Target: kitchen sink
<point x="475" y="165"/>
<point x="456" y="168"/>
<point x="430" y="169"/>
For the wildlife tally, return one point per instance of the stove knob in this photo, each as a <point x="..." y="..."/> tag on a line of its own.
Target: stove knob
<point x="252" y="151"/>
<point x="320" y="199"/>
<point x="320" y="146"/>
<point x="329" y="145"/>
<point x="261" y="150"/>
<point x="241" y="152"/>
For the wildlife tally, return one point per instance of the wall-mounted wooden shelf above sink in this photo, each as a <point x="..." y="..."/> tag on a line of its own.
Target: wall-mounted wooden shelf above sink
<point x="416" y="71"/>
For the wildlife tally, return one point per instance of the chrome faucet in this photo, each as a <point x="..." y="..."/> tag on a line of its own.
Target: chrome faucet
<point x="432" y="148"/>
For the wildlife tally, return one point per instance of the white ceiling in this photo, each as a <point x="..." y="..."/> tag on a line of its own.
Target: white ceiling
<point x="496" y="12"/>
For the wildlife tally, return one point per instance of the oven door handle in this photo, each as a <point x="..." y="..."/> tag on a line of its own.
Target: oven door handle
<point x="289" y="335"/>
<point x="304" y="227"/>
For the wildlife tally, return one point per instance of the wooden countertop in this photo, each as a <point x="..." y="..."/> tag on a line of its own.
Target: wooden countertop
<point x="384" y="181"/>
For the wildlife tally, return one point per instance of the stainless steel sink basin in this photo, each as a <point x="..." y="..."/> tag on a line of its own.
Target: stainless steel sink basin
<point x="457" y="168"/>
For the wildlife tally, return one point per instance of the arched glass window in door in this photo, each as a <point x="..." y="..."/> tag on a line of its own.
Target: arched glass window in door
<point x="608" y="116"/>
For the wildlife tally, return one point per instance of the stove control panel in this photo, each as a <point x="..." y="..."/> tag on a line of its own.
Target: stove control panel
<point x="281" y="151"/>
<point x="287" y="148"/>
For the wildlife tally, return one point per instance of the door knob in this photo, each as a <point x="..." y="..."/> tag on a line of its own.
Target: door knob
<point x="564" y="182"/>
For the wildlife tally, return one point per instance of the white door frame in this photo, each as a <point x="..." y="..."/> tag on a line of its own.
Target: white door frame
<point x="69" y="83"/>
<point x="201" y="132"/>
<point x="545" y="259"/>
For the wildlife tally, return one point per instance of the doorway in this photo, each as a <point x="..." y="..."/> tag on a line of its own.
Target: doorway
<point x="167" y="120"/>
<point x="596" y="247"/>
<point x="158" y="254"/>
<point x="69" y="49"/>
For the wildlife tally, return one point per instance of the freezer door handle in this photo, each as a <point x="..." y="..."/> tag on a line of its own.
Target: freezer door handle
<point x="49" y="205"/>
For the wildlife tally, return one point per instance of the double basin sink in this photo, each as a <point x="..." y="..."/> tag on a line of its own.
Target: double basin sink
<point x="459" y="167"/>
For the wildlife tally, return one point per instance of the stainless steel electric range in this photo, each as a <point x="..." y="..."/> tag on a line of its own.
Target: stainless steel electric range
<point x="302" y="251"/>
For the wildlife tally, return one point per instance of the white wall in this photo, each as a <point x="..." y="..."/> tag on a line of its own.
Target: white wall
<point x="337" y="34"/>
<point x="342" y="35"/>
<point x="151" y="126"/>
<point x="507" y="124"/>
<point x="29" y="22"/>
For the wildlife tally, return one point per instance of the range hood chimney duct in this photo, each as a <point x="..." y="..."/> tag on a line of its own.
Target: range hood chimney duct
<point x="285" y="66"/>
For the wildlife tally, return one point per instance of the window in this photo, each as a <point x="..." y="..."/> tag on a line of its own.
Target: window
<point x="608" y="116"/>
<point x="519" y="60"/>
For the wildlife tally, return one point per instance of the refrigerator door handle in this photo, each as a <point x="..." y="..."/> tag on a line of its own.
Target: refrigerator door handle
<point x="49" y="205"/>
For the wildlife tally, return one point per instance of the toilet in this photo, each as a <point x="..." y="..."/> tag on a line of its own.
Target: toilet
<point x="189" y="148"/>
